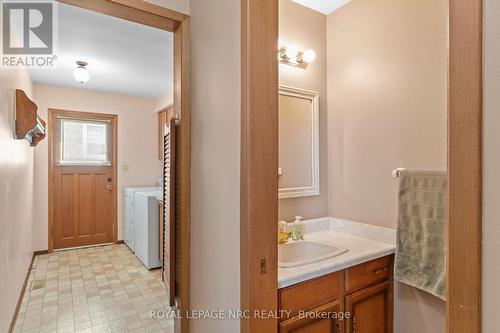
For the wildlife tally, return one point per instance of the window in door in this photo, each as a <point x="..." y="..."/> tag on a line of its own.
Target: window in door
<point x="84" y="142"/>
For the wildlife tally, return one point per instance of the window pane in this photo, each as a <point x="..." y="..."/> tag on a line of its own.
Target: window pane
<point x="84" y="142"/>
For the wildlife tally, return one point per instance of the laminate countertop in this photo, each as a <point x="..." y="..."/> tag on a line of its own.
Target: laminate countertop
<point x="365" y="242"/>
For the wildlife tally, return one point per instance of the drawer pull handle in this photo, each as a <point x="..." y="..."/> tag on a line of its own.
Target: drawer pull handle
<point x="381" y="270"/>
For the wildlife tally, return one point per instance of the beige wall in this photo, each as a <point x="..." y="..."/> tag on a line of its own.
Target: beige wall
<point x="491" y="165"/>
<point x="215" y="161"/>
<point x="387" y="102"/>
<point x="305" y="28"/>
<point x="137" y="144"/>
<point x="16" y="197"/>
<point x="181" y="6"/>
<point x="166" y="99"/>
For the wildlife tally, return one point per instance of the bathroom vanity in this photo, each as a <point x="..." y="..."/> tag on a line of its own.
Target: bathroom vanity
<point x="363" y="293"/>
<point x="348" y="293"/>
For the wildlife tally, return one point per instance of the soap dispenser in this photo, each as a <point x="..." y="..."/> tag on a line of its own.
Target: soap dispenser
<point x="297" y="229"/>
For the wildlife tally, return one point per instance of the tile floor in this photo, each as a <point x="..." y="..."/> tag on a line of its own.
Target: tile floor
<point x="98" y="289"/>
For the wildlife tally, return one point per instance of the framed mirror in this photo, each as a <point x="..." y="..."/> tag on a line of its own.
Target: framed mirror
<point x="298" y="143"/>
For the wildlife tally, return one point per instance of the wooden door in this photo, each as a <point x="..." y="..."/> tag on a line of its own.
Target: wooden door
<point x="370" y="310"/>
<point x="82" y="184"/>
<point x="169" y="231"/>
<point x="319" y="320"/>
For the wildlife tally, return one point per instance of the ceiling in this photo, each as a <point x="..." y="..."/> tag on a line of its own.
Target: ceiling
<point x="323" y="6"/>
<point x="123" y="57"/>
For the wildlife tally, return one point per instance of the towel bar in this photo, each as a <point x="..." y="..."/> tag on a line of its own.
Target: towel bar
<point x="395" y="172"/>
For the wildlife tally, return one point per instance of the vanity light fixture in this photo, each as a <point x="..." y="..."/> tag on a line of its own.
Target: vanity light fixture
<point x="81" y="74"/>
<point x="291" y="55"/>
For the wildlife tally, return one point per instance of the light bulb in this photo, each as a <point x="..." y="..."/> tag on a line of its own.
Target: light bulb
<point x="292" y="51"/>
<point x="81" y="74"/>
<point x="309" y="56"/>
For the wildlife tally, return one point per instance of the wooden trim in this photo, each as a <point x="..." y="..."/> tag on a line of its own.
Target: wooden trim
<point x="50" y="161"/>
<point x="50" y="134"/>
<point x="135" y="11"/>
<point x="464" y="254"/>
<point x="23" y="291"/>
<point x="182" y="108"/>
<point x="259" y="162"/>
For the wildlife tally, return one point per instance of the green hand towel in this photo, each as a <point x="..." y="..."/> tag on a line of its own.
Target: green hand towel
<point x="420" y="248"/>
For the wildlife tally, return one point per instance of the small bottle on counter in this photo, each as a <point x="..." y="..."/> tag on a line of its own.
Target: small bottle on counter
<point x="297" y="229"/>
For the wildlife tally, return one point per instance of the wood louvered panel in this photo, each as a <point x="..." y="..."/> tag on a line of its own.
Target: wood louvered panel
<point x="169" y="212"/>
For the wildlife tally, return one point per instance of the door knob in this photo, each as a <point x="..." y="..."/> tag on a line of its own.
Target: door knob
<point x="110" y="187"/>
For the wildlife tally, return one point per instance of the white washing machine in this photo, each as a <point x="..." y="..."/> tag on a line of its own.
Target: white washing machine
<point x="147" y="228"/>
<point x="129" y="212"/>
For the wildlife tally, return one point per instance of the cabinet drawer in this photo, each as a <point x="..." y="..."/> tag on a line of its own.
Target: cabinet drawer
<point x="310" y="294"/>
<point x="368" y="274"/>
<point x="322" y="321"/>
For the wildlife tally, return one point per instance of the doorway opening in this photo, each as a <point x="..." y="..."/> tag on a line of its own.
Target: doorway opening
<point x="123" y="75"/>
<point x="259" y="260"/>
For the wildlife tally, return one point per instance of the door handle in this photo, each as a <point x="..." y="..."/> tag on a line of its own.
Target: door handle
<point x="381" y="270"/>
<point x="110" y="187"/>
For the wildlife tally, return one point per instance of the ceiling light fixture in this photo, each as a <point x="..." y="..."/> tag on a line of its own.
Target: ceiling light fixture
<point x="291" y="55"/>
<point x="81" y="74"/>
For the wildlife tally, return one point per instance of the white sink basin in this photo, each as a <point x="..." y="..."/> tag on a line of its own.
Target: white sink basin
<point x="306" y="252"/>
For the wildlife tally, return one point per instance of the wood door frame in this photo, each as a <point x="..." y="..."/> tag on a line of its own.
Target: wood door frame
<point x="180" y="24"/>
<point x="50" y="131"/>
<point x="465" y="108"/>
<point x="259" y="162"/>
<point x="464" y="225"/>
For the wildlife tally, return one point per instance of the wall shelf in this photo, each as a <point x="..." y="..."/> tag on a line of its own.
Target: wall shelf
<point x="29" y="125"/>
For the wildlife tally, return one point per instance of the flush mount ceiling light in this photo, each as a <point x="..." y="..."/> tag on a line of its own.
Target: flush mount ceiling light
<point x="81" y="73"/>
<point x="291" y="55"/>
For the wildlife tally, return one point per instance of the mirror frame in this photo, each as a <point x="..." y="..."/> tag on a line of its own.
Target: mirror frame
<point x="313" y="189"/>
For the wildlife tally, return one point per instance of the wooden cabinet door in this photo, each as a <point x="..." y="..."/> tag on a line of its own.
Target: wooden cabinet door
<point x="370" y="310"/>
<point x="320" y="320"/>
